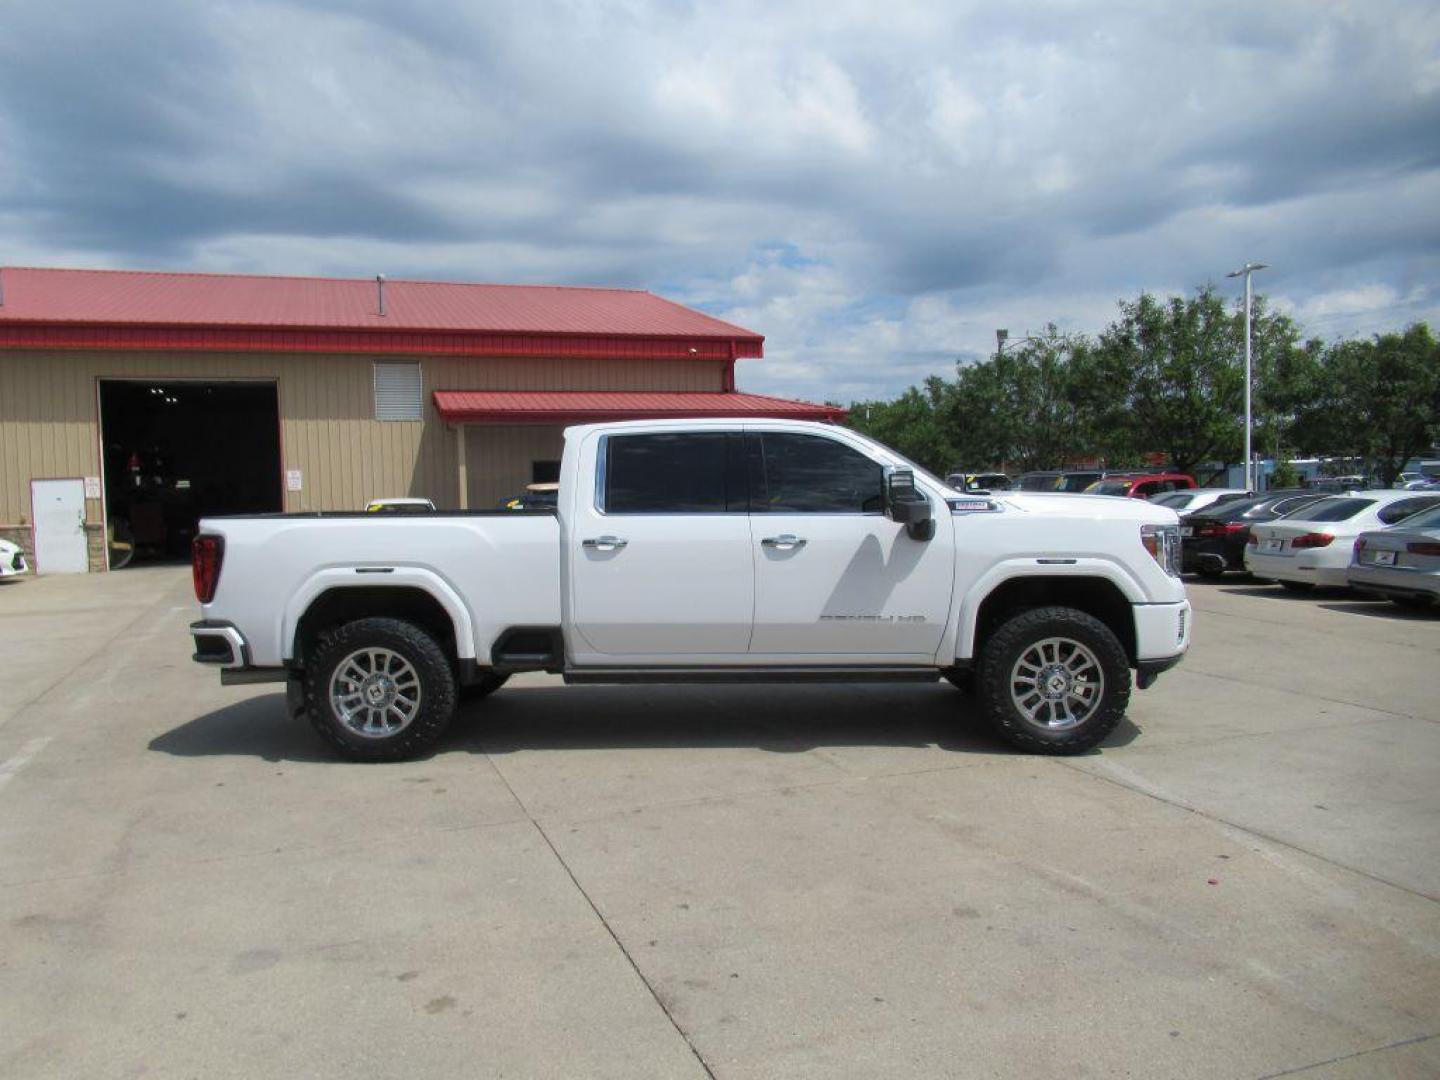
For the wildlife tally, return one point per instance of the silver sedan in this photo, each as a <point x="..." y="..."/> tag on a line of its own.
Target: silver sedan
<point x="1401" y="562"/>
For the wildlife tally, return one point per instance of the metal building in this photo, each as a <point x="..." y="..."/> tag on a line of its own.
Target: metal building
<point x="131" y="403"/>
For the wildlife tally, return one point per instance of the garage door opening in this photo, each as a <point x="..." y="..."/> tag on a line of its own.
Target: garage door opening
<point x="179" y="451"/>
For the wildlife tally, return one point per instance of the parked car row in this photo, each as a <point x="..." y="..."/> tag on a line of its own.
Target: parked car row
<point x="1134" y="485"/>
<point x="1381" y="540"/>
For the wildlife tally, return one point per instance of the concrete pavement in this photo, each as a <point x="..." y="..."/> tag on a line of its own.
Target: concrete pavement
<point x="732" y="882"/>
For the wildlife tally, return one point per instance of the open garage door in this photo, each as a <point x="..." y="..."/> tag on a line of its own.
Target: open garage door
<point x="179" y="451"/>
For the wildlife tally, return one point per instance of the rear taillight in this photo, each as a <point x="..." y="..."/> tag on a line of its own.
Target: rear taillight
<point x="206" y="554"/>
<point x="1359" y="547"/>
<point x="1220" y="529"/>
<point x="1312" y="540"/>
<point x="1423" y="548"/>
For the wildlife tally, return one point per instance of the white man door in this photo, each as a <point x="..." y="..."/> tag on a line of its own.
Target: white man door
<point x="59" y="514"/>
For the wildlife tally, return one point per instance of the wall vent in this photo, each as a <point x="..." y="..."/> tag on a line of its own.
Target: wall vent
<point x="399" y="391"/>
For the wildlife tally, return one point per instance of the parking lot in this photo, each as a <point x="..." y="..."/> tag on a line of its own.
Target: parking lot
<point x="733" y="882"/>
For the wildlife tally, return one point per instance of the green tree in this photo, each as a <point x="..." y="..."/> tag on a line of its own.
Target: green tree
<point x="1182" y="385"/>
<point x="914" y="423"/>
<point x="1048" y="380"/>
<point x="1377" y="399"/>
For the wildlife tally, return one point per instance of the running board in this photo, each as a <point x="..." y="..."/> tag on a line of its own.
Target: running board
<point x="750" y="674"/>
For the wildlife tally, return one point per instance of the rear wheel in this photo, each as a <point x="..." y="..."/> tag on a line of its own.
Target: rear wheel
<point x="1296" y="586"/>
<point x="1210" y="570"/>
<point x="1054" y="680"/>
<point x="379" y="689"/>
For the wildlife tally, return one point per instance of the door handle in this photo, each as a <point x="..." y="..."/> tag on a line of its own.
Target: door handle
<point x="604" y="543"/>
<point x="784" y="541"/>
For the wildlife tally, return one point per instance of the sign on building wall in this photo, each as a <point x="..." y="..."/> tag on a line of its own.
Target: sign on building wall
<point x="294" y="480"/>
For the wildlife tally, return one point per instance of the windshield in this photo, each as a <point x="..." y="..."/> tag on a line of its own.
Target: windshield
<point x="1331" y="510"/>
<point x="1076" y="481"/>
<point x="1039" y="482"/>
<point x="1109" y="487"/>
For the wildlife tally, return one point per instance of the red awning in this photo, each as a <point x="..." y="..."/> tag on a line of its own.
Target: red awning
<point x="591" y="406"/>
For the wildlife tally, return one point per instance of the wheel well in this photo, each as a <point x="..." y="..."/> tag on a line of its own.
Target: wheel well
<point x="335" y="607"/>
<point x="1092" y="595"/>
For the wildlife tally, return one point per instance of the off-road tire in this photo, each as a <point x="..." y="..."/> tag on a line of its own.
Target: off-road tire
<point x="1021" y="632"/>
<point x="418" y="649"/>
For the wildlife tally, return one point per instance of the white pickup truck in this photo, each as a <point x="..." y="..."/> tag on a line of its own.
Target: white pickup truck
<point x="703" y="551"/>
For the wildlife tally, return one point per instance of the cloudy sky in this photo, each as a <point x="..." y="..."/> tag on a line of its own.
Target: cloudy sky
<point x="874" y="186"/>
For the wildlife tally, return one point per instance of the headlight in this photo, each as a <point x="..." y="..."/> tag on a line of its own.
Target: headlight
<point x="1163" y="544"/>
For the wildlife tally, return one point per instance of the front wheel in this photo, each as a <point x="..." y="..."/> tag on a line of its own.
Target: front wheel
<point x="379" y="689"/>
<point x="1054" y="680"/>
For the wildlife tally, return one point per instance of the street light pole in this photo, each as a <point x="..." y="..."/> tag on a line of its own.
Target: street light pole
<point x="1245" y="272"/>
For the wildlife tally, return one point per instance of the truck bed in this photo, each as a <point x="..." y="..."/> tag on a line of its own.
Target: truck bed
<point x="494" y="569"/>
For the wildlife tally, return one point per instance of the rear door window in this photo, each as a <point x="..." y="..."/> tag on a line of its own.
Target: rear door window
<point x="681" y="473"/>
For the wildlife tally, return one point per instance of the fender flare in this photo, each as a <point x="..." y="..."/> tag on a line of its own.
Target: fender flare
<point x="347" y="577"/>
<point x="968" y="610"/>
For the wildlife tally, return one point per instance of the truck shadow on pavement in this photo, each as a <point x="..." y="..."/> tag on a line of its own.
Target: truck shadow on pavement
<point x="775" y="719"/>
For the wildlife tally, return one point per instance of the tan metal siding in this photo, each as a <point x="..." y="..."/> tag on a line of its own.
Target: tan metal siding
<point x="499" y="459"/>
<point x="49" y="419"/>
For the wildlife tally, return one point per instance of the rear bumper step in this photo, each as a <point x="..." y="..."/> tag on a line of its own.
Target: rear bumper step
<point x="218" y="642"/>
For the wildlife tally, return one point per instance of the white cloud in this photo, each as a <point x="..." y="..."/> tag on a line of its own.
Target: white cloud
<point x="874" y="189"/>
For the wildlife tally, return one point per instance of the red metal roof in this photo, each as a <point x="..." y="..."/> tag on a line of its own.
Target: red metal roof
<point x="582" y="407"/>
<point x="135" y="309"/>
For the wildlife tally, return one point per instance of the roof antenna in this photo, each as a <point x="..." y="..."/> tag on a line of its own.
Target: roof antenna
<point x="380" y="291"/>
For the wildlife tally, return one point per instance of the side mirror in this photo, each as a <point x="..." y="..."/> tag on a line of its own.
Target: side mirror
<point x="907" y="505"/>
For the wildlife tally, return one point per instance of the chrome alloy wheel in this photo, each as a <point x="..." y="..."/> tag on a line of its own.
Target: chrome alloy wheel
<point x="375" y="693"/>
<point x="1057" y="683"/>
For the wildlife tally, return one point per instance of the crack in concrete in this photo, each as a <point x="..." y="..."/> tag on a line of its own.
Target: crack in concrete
<point x="654" y="994"/>
<point x="1349" y="1057"/>
<point x="1142" y="787"/>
